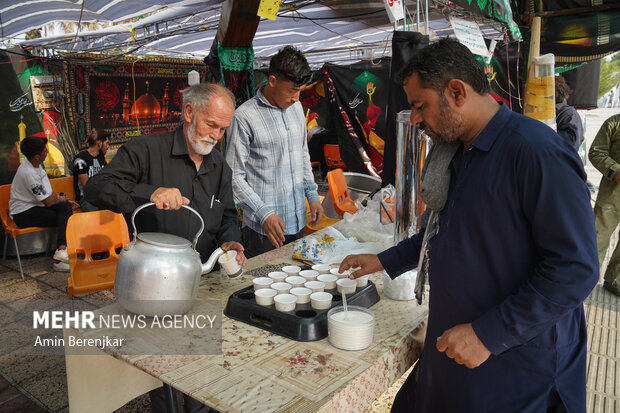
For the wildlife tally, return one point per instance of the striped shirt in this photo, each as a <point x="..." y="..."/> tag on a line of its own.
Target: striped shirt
<point x="268" y="153"/>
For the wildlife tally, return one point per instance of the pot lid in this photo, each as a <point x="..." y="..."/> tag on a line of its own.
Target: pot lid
<point x="164" y="240"/>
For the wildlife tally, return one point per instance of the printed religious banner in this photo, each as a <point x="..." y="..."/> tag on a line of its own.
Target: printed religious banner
<point x="128" y="97"/>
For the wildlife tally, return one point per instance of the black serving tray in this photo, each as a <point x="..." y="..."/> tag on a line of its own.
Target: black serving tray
<point x="302" y="324"/>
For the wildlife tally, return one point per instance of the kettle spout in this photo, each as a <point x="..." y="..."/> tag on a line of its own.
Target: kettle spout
<point x="208" y="266"/>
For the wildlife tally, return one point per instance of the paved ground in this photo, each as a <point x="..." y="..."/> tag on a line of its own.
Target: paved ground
<point x="38" y="383"/>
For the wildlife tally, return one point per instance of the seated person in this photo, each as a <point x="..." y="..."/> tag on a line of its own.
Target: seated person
<point x="86" y="164"/>
<point x="567" y="119"/>
<point x="32" y="202"/>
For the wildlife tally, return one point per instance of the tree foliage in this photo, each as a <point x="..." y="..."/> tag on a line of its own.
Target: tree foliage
<point x="610" y="74"/>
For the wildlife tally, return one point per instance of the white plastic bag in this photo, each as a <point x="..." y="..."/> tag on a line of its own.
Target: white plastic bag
<point x="388" y="204"/>
<point x="332" y="247"/>
<point x="401" y="287"/>
<point x="365" y="226"/>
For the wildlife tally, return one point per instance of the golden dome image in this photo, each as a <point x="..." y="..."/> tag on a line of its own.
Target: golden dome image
<point x="146" y="109"/>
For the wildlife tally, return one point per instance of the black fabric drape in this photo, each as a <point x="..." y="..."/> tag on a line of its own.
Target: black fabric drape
<point x="404" y="46"/>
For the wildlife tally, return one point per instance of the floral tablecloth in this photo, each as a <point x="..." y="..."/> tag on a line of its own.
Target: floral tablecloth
<point x="262" y="372"/>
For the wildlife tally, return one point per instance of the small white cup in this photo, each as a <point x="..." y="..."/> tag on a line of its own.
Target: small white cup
<point x="228" y="261"/>
<point x="315" y="286"/>
<point x="302" y="294"/>
<point x="345" y="274"/>
<point x="346" y="285"/>
<point x="277" y="276"/>
<point x="291" y="269"/>
<point x="285" y="302"/>
<point x="309" y="275"/>
<point x="264" y="296"/>
<point x="295" y="281"/>
<point x="261" y="282"/>
<point x="362" y="281"/>
<point x="281" y="288"/>
<point x="321" y="301"/>
<point x="322" y="268"/>
<point x="329" y="280"/>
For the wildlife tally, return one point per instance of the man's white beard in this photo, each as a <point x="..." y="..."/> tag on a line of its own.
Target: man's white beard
<point x="202" y="146"/>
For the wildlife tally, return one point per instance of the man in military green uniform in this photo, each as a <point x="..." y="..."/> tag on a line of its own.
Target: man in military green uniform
<point x="605" y="156"/>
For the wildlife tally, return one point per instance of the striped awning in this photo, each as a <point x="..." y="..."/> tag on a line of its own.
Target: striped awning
<point x="338" y="31"/>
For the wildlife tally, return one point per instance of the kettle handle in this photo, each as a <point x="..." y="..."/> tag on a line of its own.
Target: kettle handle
<point x="148" y="204"/>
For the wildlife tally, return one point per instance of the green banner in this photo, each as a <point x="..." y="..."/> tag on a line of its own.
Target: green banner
<point x="237" y="71"/>
<point x="498" y="10"/>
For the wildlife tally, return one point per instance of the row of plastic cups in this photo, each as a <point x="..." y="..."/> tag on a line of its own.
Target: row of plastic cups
<point x="307" y="275"/>
<point x="343" y="285"/>
<point x="317" y="269"/>
<point x="287" y="301"/>
<point x="323" y="282"/>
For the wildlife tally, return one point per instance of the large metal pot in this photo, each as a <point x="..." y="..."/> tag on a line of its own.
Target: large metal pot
<point x="158" y="273"/>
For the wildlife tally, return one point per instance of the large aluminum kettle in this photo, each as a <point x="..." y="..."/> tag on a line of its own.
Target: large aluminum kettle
<point x="158" y="273"/>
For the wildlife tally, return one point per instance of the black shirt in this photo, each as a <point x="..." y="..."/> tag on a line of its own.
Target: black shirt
<point x="85" y="163"/>
<point x="161" y="160"/>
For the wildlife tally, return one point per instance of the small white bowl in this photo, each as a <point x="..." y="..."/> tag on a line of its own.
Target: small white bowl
<point x="345" y="274"/>
<point x="346" y="285"/>
<point x="362" y="281"/>
<point x="291" y="269"/>
<point x="261" y="282"/>
<point x="295" y="281"/>
<point x="322" y="268"/>
<point x="281" y="288"/>
<point x="309" y="275"/>
<point x="285" y="302"/>
<point x="302" y="294"/>
<point x="264" y="296"/>
<point x="321" y="301"/>
<point x="329" y="280"/>
<point x="315" y="286"/>
<point x="277" y="276"/>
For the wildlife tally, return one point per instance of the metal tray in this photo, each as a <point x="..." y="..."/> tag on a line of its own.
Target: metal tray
<point x="302" y="324"/>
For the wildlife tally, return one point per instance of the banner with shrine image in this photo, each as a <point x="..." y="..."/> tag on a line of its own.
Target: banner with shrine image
<point x="127" y="97"/>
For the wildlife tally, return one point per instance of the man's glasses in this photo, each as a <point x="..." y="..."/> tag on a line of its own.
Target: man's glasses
<point x="298" y="81"/>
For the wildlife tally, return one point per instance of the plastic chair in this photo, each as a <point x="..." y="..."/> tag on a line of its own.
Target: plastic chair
<point x="340" y="193"/>
<point x="332" y="157"/>
<point x="10" y="228"/>
<point x="64" y="185"/>
<point x="324" y="222"/>
<point x="100" y="234"/>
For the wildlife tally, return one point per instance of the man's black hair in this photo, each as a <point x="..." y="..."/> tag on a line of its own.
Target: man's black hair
<point x="94" y="136"/>
<point x="32" y="146"/>
<point x="289" y="63"/>
<point x="442" y="61"/>
<point x="562" y="90"/>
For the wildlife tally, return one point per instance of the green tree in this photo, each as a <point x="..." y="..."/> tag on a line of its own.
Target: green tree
<point x="610" y="74"/>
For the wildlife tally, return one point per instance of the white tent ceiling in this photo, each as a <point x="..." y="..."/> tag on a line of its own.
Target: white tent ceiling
<point x="334" y="30"/>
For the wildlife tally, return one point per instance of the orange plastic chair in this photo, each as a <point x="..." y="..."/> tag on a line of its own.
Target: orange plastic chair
<point x="332" y="157"/>
<point x="94" y="241"/>
<point x="64" y="185"/>
<point x="340" y="192"/>
<point x="324" y="222"/>
<point x="10" y="228"/>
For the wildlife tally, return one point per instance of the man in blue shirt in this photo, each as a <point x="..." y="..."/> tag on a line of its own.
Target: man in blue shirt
<point x="268" y="154"/>
<point x="513" y="254"/>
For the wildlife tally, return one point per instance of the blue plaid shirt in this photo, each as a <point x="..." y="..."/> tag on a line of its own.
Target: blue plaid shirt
<point x="267" y="151"/>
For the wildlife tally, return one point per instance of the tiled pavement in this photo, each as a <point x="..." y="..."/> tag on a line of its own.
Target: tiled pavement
<point x="37" y="383"/>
